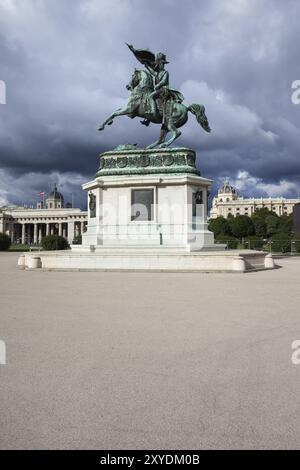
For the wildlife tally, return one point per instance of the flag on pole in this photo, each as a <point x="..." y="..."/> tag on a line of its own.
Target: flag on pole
<point x="42" y="194"/>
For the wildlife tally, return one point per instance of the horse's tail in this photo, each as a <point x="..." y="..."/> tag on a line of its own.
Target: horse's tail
<point x="199" y="111"/>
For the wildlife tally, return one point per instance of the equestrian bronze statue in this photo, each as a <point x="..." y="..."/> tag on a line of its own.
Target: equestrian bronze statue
<point x="153" y="100"/>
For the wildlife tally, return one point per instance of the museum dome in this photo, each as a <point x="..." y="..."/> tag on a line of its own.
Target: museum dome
<point x="227" y="189"/>
<point x="55" y="194"/>
<point x="55" y="199"/>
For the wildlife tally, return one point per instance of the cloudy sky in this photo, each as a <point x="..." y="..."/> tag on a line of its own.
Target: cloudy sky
<point x="65" y="66"/>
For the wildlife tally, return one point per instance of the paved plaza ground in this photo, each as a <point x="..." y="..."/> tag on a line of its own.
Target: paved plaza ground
<point x="99" y="360"/>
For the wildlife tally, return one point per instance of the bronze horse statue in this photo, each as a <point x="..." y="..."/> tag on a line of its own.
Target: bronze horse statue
<point x="171" y="113"/>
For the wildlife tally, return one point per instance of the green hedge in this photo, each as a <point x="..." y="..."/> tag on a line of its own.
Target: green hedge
<point x="54" y="242"/>
<point x="229" y="240"/>
<point x="254" y="243"/>
<point x="281" y="243"/>
<point x="4" y="242"/>
<point x="297" y="244"/>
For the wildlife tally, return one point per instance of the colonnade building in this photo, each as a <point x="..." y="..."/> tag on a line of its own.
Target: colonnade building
<point x="51" y="217"/>
<point x="228" y="202"/>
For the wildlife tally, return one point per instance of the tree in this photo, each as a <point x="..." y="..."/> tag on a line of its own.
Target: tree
<point x="260" y="227"/>
<point x="286" y="224"/>
<point x="54" y="242"/>
<point x="281" y="242"/>
<point x="230" y="219"/>
<point x="242" y="226"/>
<point x="219" y="225"/>
<point x="272" y="223"/>
<point x="4" y="242"/>
<point x="262" y="213"/>
<point x="259" y="221"/>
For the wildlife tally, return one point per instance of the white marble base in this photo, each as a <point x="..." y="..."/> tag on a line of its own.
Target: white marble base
<point x="151" y="260"/>
<point x="175" y="220"/>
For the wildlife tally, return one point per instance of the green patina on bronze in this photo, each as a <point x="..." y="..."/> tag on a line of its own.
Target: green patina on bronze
<point x="142" y="162"/>
<point x="155" y="101"/>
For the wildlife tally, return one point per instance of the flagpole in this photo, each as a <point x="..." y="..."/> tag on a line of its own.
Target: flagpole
<point x="42" y="193"/>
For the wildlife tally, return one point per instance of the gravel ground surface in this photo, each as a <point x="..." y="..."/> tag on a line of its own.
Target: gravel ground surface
<point x="149" y="360"/>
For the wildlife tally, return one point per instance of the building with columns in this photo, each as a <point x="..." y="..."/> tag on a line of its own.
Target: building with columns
<point x="51" y="217"/>
<point x="228" y="202"/>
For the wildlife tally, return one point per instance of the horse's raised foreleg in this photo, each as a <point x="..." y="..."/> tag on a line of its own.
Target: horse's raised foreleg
<point x="109" y="120"/>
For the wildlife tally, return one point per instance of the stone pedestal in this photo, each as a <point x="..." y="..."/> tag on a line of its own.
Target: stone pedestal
<point x="147" y="211"/>
<point x="148" y="198"/>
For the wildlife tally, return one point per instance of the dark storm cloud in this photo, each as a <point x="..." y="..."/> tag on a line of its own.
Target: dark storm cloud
<point x="66" y="66"/>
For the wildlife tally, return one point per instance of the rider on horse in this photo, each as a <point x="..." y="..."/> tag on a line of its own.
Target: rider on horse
<point x="153" y="100"/>
<point x="162" y="93"/>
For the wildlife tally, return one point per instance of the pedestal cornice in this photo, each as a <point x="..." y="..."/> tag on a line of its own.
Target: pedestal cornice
<point x="146" y="162"/>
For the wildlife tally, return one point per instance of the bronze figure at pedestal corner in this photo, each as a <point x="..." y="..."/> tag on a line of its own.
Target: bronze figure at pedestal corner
<point x="153" y="100"/>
